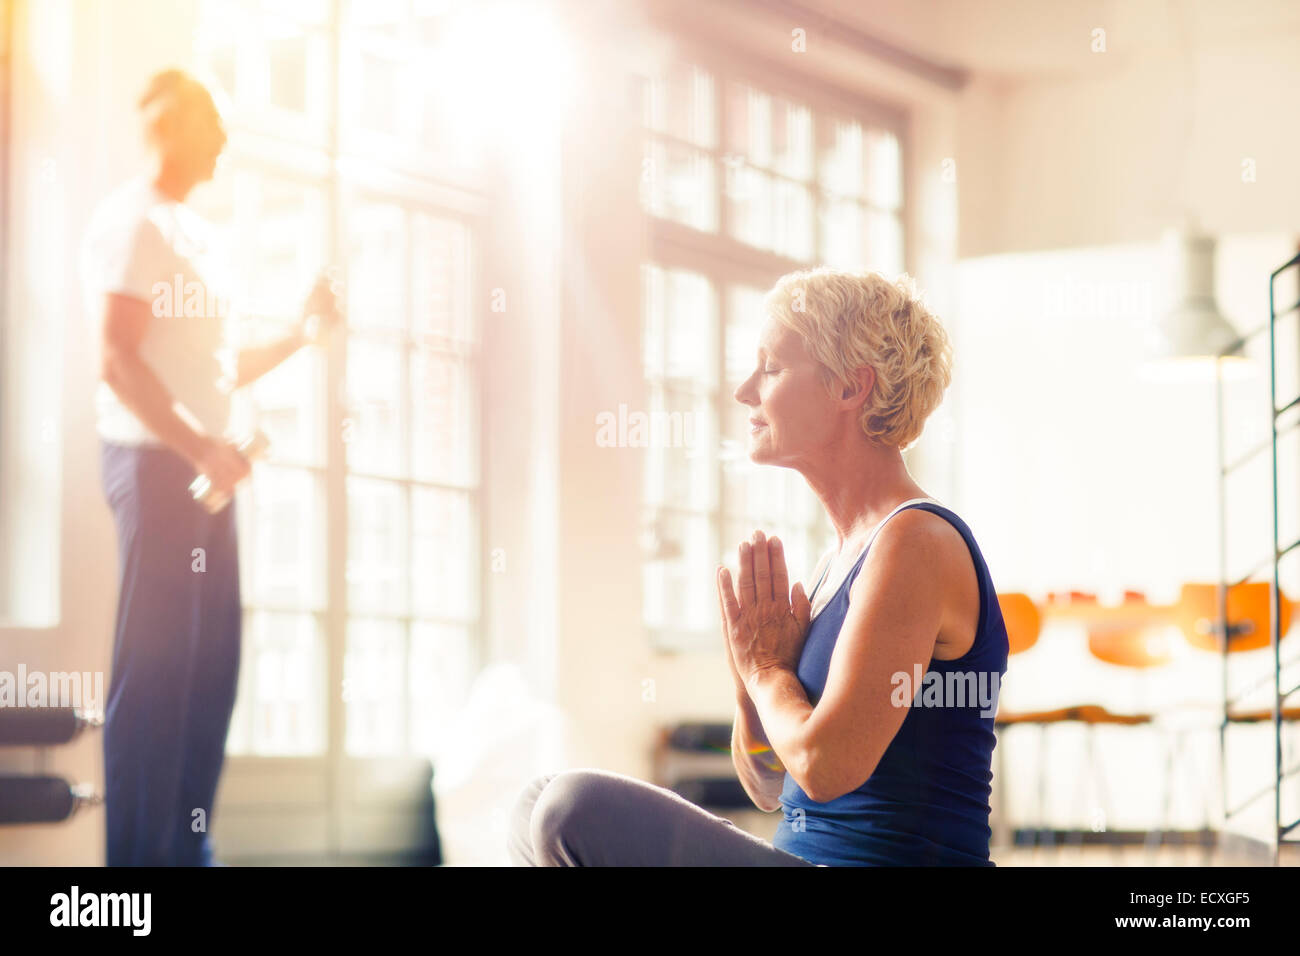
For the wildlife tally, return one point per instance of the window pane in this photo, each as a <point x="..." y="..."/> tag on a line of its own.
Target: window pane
<point x="769" y="212"/>
<point x="377" y="266"/>
<point x="843" y="227"/>
<point x="680" y="327"/>
<point x="443" y="406"/>
<point x="272" y="59"/>
<point x="383" y="19"/>
<point x="287" y="53"/>
<point x="884" y="243"/>
<point x="381" y="87"/>
<point x="377" y="547"/>
<point x="444" y="554"/>
<point x="439" y="679"/>
<point x="281" y="705"/>
<point x="681" y="104"/>
<point x="440" y="137"/>
<point x="679" y="437"/>
<point x="374" y="386"/>
<point x="884" y="169"/>
<point x="679" y="183"/>
<point x="680" y="595"/>
<point x="374" y="696"/>
<point x="793" y="218"/>
<point x="401" y="103"/>
<point x="290" y="406"/>
<point x="749" y="125"/>
<point x="282" y="525"/>
<point x="749" y="205"/>
<point x="792" y="139"/>
<point x="373" y="87"/>
<point x="443" y="446"/>
<point x="441" y="279"/>
<point x="770" y="132"/>
<point x="745" y="318"/>
<point x="841" y="159"/>
<point x="276" y="239"/>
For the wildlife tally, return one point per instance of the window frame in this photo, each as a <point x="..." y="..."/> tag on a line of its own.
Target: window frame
<point x="726" y="261"/>
<point x="321" y="786"/>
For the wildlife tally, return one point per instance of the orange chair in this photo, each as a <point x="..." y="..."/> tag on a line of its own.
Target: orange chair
<point x="1250" y="616"/>
<point x="1023" y="620"/>
<point x="1249" y="628"/>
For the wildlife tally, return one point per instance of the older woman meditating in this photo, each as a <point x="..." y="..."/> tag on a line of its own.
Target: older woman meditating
<point x="864" y="711"/>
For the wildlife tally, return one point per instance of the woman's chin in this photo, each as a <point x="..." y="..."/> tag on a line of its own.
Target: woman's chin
<point x="760" y="452"/>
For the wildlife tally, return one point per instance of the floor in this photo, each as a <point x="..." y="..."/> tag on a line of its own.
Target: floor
<point x="1108" y="856"/>
<point x="1066" y="851"/>
<point x="1176" y="856"/>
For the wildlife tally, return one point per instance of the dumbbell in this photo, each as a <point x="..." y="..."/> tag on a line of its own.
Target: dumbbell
<point x="43" y="726"/>
<point x="42" y="799"/>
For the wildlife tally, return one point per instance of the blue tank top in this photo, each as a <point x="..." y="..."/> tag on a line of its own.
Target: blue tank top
<point x="927" y="802"/>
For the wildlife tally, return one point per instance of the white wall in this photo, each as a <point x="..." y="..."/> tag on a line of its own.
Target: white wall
<point x="1074" y="475"/>
<point x="1116" y="155"/>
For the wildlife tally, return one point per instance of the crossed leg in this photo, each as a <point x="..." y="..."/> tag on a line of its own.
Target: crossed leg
<point x="600" y="818"/>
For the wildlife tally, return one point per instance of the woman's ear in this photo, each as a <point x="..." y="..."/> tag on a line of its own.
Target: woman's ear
<point x="857" y="390"/>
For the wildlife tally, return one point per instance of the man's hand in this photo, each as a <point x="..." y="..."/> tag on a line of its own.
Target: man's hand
<point x="766" y="622"/>
<point x="223" y="464"/>
<point x="323" y="309"/>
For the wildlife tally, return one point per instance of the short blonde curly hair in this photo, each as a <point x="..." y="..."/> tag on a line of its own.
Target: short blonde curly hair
<point x="849" y="319"/>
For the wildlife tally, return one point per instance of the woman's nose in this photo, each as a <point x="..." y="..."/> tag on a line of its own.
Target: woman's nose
<point x="742" y="390"/>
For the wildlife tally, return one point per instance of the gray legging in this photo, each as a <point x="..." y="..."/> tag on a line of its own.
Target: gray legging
<point x="599" y="818"/>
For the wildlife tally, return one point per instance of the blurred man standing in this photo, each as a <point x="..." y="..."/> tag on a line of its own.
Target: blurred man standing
<point x="162" y="410"/>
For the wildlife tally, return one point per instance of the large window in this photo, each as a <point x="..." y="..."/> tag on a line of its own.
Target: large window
<point x="729" y="157"/>
<point x="743" y="181"/>
<point x="359" y="534"/>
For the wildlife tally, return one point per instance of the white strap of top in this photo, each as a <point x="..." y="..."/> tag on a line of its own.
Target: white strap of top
<point x="875" y="531"/>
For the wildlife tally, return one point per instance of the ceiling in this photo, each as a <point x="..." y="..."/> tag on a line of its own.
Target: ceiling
<point x="1021" y="37"/>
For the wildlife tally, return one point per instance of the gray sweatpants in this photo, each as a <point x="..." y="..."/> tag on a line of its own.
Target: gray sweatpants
<point x="600" y="818"/>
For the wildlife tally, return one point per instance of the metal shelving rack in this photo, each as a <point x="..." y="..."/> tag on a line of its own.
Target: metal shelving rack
<point x="1281" y="829"/>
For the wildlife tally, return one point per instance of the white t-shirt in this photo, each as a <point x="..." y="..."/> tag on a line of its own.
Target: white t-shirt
<point x="143" y="244"/>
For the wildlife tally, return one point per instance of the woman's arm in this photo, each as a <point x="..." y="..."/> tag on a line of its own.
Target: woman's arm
<point x="887" y="638"/>
<point x="757" y="765"/>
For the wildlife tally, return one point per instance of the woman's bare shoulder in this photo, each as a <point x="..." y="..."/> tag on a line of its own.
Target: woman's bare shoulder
<point x="950" y="572"/>
<point x="920" y="529"/>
